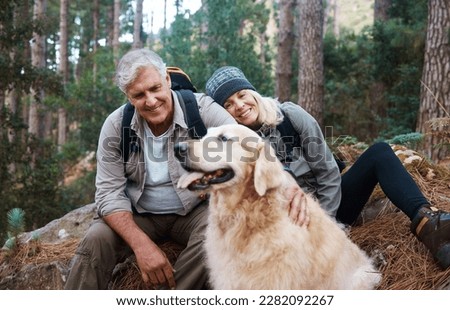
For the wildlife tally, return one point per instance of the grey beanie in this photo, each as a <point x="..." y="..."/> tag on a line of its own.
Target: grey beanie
<point x="225" y="82"/>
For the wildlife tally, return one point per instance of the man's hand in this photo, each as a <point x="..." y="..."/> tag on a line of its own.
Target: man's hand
<point x="154" y="266"/>
<point x="298" y="210"/>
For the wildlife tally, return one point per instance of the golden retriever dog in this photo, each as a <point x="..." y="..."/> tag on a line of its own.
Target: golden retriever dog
<point x="251" y="243"/>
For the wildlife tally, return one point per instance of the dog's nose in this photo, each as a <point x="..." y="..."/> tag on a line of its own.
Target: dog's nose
<point x="181" y="151"/>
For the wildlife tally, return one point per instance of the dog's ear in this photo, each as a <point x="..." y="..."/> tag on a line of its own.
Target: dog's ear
<point x="268" y="170"/>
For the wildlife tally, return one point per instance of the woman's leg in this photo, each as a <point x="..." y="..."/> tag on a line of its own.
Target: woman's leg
<point x="378" y="165"/>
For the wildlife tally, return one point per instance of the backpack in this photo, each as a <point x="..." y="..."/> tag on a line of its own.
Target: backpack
<point x="287" y="131"/>
<point x="184" y="89"/>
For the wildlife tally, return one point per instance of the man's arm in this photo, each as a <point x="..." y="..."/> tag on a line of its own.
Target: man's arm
<point x="154" y="266"/>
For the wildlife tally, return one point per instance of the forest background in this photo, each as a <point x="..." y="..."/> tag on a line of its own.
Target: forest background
<point x="368" y="70"/>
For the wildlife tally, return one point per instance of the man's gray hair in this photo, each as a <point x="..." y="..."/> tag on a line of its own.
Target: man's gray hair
<point x="130" y="64"/>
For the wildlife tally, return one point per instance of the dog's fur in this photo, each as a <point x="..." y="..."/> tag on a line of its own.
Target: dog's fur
<point x="251" y="243"/>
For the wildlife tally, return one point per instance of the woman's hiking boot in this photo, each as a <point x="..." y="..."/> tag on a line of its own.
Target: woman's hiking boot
<point x="432" y="228"/>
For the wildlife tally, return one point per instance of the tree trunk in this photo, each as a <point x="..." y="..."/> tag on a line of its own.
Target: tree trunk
<point x="165" y="14"/>
<point x="286" y="40"/>
<point x="110" y="26"/>
<point x="336" y="10"/>
<point x="330" y="18"/>
<point x="63" y="70"/>
<point x="38" y="61"/>
<point x="12" y="96"/>
<point x="137" y="42"/>
<point x="150" y="40"/>
<point x="26" y="54"/>
<point x="2" y="105"/>
<point x="95" y="19"/>
<point x="116" y="43"/>
<point x="63" y="41"/>
<point x="381" y="10"/>
<point x="11" y="104"/>
<point x="311" y="75"/>
<point x="435" y="87"/>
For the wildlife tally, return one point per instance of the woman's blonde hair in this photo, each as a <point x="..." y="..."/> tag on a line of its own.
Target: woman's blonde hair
<point x="269" y="111"/>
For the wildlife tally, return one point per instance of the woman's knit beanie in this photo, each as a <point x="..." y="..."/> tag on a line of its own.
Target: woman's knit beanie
<point x="225" y="82"/>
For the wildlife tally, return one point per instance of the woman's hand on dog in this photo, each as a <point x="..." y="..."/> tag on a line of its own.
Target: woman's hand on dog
<point x="298" y="209"/>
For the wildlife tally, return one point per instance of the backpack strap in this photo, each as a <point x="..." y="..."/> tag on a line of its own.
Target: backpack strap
<point x="289" y="136"/>
<point x="196" y="127"/>
<point x="129" y="141"/>
<point x="291" y="139"/>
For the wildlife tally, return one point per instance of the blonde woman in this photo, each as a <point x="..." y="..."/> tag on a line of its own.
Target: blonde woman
<point x="311" y="162"/>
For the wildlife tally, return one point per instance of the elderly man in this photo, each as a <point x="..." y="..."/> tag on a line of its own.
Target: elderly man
<point x="142" y="205"/>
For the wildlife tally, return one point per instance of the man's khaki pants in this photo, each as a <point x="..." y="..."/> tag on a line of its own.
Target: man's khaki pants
<point x="101" y="249"/>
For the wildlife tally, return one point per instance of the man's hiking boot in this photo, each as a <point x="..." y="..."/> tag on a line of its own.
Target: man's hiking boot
<point x="432" y="228"/>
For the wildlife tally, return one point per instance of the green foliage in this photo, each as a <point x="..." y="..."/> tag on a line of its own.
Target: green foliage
<point x="79" y="193"/>
<point x="16" y="226"/>
<point x="90" y="100"/>
<point x="30" y="174"/>
<point x="227" y="41"/>
<point x="31" y="169"/>
<point x="347" y="82"/>
<point x="233" y="41"/>
<point x="404" y="99"/>
<point x="372" y="79"/>
<point x="178" y="45"/>
<point x="411" y="140"/>
<point x="409" y="13"/>
<point x="16" y="70"/>
<point x="16" y="221"/>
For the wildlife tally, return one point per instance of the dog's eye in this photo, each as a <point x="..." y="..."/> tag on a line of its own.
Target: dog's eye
<point x="223" y="138"/>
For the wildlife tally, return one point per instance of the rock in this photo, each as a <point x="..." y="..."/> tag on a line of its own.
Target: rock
<point x="56" y="244"/>
<point x="46" y="276"/>
<point x="52" y="273"/>
<point x="72" y="225"/>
